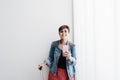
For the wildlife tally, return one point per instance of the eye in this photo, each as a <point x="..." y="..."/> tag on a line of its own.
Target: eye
<point x="65" y="31"/>
<point x="61" y="31"/>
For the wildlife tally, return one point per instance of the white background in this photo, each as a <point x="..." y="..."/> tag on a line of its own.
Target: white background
<point x="27" y="28"/>
<point x="97" y="36"/>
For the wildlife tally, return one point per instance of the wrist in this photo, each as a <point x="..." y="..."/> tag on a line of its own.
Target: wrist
<point x="44" y="63"/>
<point x="70" y="58"/>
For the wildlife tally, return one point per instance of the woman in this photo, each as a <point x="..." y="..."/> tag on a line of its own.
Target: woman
<point x="62" y="58"/>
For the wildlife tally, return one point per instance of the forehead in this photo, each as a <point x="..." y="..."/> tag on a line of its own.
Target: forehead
<point x="64" y="29"/>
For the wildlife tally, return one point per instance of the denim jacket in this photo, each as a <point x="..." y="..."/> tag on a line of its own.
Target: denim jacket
<point x="54" y="54"/>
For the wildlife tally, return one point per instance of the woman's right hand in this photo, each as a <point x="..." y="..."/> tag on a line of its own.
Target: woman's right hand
<point x="40" y="66"/>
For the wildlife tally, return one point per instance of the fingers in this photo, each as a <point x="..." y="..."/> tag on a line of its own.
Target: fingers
<point x="67" y="54"/>
<point x="40" y="68"/>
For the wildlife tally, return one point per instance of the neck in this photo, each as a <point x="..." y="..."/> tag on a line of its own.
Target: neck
<point x="63" y="41"/>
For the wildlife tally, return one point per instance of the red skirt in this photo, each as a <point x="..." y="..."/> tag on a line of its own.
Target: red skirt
<point x="60" y="75"/>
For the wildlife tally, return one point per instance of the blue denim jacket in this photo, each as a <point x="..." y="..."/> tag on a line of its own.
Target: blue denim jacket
<point x="54" y="54"/>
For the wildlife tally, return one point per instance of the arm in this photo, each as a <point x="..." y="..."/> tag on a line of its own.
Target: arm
<point x="51" y="55"/>
<point x="72" y="57"/>
<point x="49" y="59"/>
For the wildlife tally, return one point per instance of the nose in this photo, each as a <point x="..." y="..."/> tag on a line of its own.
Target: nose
<point x="64" y="32"/>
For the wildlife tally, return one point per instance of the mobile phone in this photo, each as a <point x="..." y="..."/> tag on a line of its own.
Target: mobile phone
<point x="40" y="68"/>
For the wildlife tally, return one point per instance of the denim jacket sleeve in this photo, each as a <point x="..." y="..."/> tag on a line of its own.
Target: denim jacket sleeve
<point x="51" y="55"/>
<point x="73" y="55"/>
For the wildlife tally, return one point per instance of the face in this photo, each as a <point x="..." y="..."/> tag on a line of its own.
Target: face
<point x="64" y="33"/>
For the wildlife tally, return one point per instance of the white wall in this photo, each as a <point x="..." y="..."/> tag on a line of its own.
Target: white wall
<point x="97" y="35"/>
<point x="27" y="28"/>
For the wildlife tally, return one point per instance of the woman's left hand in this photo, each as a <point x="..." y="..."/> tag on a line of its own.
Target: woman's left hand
<point x="67" y="54"/>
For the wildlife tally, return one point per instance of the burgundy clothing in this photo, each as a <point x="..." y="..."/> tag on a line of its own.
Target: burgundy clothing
<point x="60" y="75"/>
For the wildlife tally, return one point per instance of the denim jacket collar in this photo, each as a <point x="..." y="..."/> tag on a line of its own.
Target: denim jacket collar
<point x="58" y="44"/>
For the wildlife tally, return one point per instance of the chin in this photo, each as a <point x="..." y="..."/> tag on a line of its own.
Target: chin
<point x="63" y="38"/>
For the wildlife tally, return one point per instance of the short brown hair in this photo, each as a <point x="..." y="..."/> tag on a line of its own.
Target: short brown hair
<point x="63" y="27"/>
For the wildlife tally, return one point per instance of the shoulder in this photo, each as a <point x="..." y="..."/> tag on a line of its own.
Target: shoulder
<point x="54" y="43"/>
<point x="71" y="44"/>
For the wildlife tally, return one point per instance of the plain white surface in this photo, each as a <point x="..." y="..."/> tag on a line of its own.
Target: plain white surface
<point x="97" y="38"/>
<point x="27" y="28"/>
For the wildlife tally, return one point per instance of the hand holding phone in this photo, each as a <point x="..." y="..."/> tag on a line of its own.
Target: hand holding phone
<point x="65" y="50"/>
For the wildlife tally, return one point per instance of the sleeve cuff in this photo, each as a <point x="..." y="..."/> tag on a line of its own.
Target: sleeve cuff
<point x="47" y="62"/>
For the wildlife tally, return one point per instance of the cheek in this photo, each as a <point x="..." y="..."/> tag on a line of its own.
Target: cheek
<point x="66" y="33"/>
<point x="60" y="34"/>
